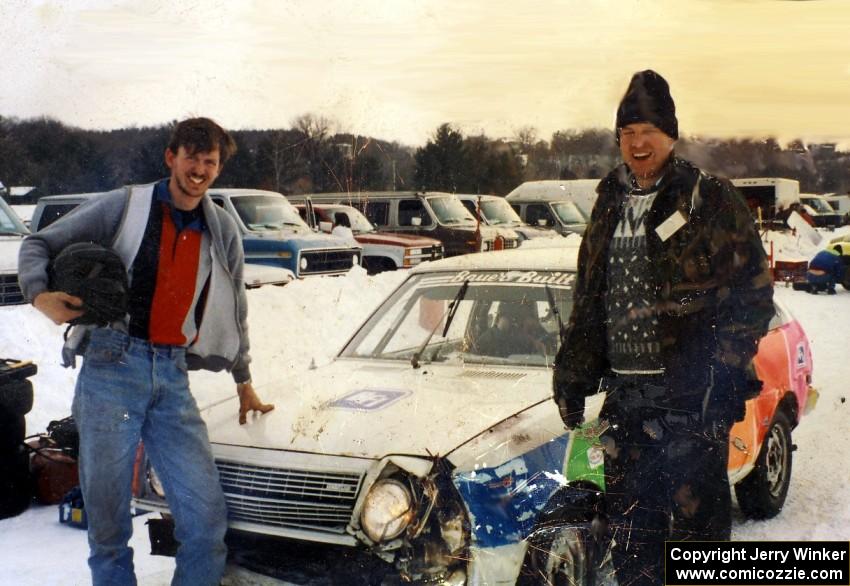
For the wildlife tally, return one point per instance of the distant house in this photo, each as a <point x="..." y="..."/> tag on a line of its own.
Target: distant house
<point x="23" y="194"/>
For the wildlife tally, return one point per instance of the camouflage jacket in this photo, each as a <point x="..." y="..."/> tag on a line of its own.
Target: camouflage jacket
<point x="713" y="285"/>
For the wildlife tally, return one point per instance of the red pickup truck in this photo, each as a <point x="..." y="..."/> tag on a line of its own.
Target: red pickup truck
<point x="382" y="251"/>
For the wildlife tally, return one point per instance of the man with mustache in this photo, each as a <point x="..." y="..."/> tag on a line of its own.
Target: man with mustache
<point x="187" y="309"/>
<point x="672" y="295"/>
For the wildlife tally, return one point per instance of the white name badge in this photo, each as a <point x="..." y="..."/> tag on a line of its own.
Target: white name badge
<point x="671" y="225"/>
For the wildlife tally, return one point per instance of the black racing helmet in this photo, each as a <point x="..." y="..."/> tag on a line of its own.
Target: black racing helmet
<point x="95" y="274"/>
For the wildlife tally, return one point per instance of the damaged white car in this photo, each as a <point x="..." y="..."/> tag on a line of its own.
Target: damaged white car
<point x="430" y="451"/>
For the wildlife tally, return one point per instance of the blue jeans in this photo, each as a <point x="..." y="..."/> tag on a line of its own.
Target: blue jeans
<point x="129" y="389"/>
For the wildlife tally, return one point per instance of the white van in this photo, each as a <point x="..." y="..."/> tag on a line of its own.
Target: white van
<point x="564" y="205"/>
<point x="580" y="191"/>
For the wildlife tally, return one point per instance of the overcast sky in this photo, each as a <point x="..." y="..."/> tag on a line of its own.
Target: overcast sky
<point x="396" y="69"/>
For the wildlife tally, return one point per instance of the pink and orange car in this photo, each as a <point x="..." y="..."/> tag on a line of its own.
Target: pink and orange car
<point x="760" y="445"/>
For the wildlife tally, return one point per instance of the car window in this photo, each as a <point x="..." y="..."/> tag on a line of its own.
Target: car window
<point x="377" y="212"/>
<point x="568" y="212"/>
<point x="52" y="212"/>
<point x="503" y="318"/>
<point x="498" y="212"/>
<point x="535" y="212"/>
<point x="352" y="218"/>
<point x="449" y="210"/>
<point x="266" y="212"/>
<point x="9" y="221"/>
<point x="780" y="317"/>
<point x="408" y="209"/>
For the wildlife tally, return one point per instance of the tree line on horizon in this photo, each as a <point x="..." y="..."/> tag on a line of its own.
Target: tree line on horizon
<point x="309" y="157"/>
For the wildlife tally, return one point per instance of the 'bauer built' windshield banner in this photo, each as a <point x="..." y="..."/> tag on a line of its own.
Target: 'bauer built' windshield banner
<point x="763" y="563"/>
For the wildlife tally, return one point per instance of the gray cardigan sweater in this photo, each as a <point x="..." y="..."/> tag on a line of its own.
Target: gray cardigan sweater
<point x="117" y="219"/>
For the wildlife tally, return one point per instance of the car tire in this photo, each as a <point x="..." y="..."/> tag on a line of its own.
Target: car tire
<point x="558" y="556"/>
<point x="845" y="282"/>
<point x="762" y="493"/>
<point x="16" y="397"/>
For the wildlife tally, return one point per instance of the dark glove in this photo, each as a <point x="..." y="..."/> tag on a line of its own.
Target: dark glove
<point x="571" y="411"/>
<point x="729" y="393"/>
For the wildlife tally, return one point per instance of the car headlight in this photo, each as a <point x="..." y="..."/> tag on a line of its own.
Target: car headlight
<point x="387" y="510"/>
<point x="303" y="263"/>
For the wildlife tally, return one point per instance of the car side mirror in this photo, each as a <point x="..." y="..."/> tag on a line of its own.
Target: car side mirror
<point x="416" y="221"/>
<point x="542" y="222"/>
<point x="326" y="227"/>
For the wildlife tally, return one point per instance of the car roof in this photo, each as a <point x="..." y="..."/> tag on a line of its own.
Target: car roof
<point x="70" y="196"/>
<point x="357" y="195"/>
<point x="553" y="189"/>
<point x="233" y="191"/>
<point x="558" y="258"/>
<point x="476" y="196"/>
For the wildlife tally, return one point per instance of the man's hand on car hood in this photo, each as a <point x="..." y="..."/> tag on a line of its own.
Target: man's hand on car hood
<point x="249" y="401"/>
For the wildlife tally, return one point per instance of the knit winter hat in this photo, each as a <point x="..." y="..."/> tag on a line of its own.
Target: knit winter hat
<point x="648" y="100"/>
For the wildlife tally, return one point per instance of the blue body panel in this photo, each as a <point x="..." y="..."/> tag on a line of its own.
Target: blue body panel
<point x="504" y="501"/>
<point x="264" y="247"/>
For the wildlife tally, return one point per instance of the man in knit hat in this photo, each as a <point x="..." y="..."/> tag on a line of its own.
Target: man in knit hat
<point x="672" y="295"/>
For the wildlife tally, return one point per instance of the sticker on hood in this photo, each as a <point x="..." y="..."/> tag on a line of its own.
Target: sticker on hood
<point x="369" y="399"/>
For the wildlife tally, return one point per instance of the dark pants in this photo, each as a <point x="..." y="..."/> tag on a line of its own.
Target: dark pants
<point x="666" y="478"/>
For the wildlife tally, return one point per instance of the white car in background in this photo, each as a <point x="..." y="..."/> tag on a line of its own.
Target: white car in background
<point x="24" y="212"/>
<point x="12" y="232"/>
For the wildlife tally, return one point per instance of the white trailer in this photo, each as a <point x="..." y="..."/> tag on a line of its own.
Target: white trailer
<point x="767" y="196"/>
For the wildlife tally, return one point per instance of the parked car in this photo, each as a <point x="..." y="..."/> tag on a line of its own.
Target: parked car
<point x="50" y="208"/>
<point x="12" y="232"/>
<point x="433" y="449"/>
<point x="24" y="212"/>
<point x="282" y="243"/>
<point x="841" y="204"/>
<point x="581" y="192"/>
<point x="559" y="205"/>
<point x="496" y="211"/>
<point x="433" y="214"/>
<point x="382" y="251"/>
<point x="819" y="208"/>
<point x="274" y="234"/>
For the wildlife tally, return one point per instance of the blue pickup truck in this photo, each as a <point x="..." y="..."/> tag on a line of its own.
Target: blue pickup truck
<point x="274" y="234"/>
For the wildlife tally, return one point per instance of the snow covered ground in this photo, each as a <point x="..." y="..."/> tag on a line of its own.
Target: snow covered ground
<point x="308" y="321"/>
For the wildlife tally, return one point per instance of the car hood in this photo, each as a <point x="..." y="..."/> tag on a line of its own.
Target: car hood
<point x="9" y="247"/>
<point x="536" y="232"/>
<point x="304" y="238"/>
<point x="373" y="408"/>
<point x="395" y="239"/>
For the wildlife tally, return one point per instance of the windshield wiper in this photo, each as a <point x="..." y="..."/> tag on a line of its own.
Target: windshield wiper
<point x="554" y="309"/>
<point x="450" y="312"/>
